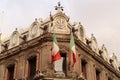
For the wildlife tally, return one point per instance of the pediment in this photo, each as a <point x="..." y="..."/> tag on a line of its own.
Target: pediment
<point x="14" y="39"/>
<point x="60" y="24"/>
<point x="61" y="14"/>
<point x="34" y="30"/>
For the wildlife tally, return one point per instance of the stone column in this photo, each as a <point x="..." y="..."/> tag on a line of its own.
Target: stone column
<point x="24" y="70"/>
<point x="79" y="64"/>
<point x="90" y="70"/>
<point x="68" y="62"/>
<point x="2" y="72"/>
<point x="15" y="69"/>
<point x="27" y="69"/>
<point x="6" y="74"/>
<point x="103" y="75"/>
<point x="38" y="60"/>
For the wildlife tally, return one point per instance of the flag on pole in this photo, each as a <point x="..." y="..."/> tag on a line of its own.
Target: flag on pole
<point x="72" y="46"/>
<point x="55" y="50"/>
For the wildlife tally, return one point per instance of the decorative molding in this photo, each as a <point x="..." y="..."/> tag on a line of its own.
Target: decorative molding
<point x="94" y="44"/>
<point x="35" y="30"/>
<point x="14" y="39"/>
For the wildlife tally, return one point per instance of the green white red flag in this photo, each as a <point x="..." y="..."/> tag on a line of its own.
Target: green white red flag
<point x="55" y="50"/>
<point x="72" y="47"/>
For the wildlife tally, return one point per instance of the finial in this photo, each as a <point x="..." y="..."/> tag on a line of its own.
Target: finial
<point x="35" y="19"/>
<point x="103" y="45"/>
<point x="0" y="35"/>
<point x="92" y="34"/>
<point x="16" y="29"/>
<point x="74" y="23"/>
<point x="79" y="23"/>
<point x="59" y="4"/>
<point x="51" y="16"/>
<point x="113" y="54"/>
<point x="59" y="8"/>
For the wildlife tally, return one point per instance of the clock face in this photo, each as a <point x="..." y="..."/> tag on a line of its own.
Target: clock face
<point x="34" y="29"/>
<point x="60" y="23"/>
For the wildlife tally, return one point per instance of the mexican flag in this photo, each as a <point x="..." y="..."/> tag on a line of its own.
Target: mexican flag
<point x="55" y="50"/>
<point x="72" y="47"/>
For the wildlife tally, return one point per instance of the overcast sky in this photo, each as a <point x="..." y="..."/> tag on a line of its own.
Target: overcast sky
<point x="100" y="17"/>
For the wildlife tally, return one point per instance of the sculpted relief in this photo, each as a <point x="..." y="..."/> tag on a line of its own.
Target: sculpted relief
<point x="14" y="40"/>
<point x="81" y="32"/>
<point x="34" y="30"/>
<point x="105" y="53"/>
<point x="94" y="44"/>
<point x="60" y="24"/>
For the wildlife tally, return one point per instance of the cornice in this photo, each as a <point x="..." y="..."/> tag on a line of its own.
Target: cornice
<point x="97" y="57"/>
<point x="47" y="37"/>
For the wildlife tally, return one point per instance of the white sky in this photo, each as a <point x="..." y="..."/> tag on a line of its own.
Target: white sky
<point x="100" y="17"/>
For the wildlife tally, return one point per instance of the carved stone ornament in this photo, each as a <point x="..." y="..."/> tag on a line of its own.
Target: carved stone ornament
<point x="34" y="30"/>
<point x="81" y="32"/>
<point x="115" y="61"/>
<point x="39" y="75"/>
<point x="94" y="44"/>
<point x="80" y="77"/>
<point x="60" y="25"/>
<point x="105" y="53"/>
<point x="14" y="39"/>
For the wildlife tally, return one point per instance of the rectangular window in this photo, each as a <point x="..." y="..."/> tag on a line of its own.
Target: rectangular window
<point x="97" y="75"/>
<point x="83" y="63"/>
<point x="10" y="75"/>
<point x="109" y="78"/>
<point x="64" y="64"/>
<point x="32" y="68"/>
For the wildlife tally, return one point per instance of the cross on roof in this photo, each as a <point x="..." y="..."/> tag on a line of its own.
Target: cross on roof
<point x="59" y="8"/>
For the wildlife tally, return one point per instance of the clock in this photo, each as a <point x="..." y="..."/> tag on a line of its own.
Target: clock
<point x="60" y="23"/>
<point x="34" y="29"/>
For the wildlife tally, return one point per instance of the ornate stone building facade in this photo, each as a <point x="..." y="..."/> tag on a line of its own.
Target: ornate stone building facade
<point x="26" y="55"/>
